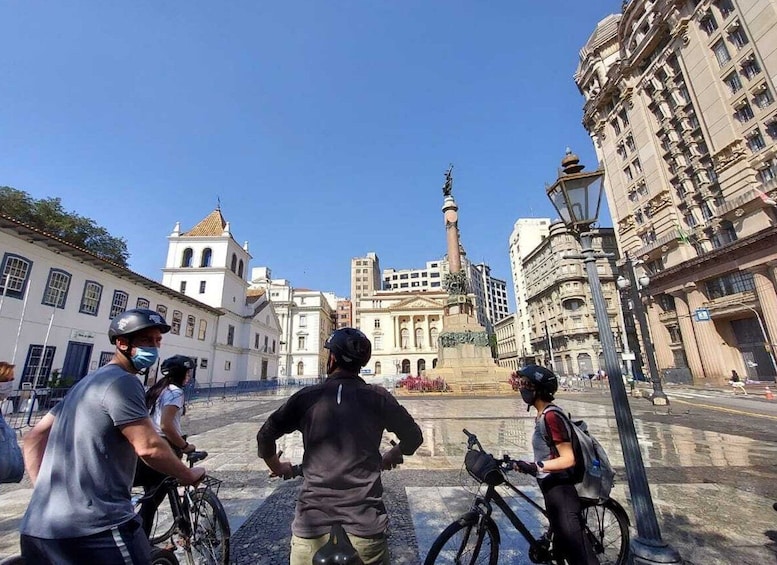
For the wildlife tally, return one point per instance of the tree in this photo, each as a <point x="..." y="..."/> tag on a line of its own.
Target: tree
<point x="49" y="216"/>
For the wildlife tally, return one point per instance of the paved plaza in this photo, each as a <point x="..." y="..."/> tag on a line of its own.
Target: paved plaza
<point x="713" y="484"/>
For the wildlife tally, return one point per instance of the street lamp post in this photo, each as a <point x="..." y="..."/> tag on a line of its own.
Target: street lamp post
<point x="659" y="396"/>
<point x="577" y="196"/>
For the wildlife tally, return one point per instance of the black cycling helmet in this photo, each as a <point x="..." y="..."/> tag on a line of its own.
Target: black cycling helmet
<point x="135" y="320"/>
<point x="544" y="380"/>
<point x="176" y="365"/>
<point x="350" y="347"/>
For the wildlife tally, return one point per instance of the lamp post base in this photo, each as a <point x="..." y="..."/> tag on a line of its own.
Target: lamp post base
<point x="647" y="552"/>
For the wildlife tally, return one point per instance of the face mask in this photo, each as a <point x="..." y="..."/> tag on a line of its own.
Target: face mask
<point x="528" y="396"/>
<point x="144" y="357"/>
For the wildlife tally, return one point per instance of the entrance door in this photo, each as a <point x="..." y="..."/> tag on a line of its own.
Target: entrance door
<point x="76" y="363"/>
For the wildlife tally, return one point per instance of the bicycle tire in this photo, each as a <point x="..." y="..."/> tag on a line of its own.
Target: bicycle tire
<point x="607" y="526"/>
<point x="460" y="534"/>
<point x="211" y="532"/>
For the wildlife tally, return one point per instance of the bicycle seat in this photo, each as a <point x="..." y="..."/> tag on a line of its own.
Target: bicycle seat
<point x="196" y="456"/>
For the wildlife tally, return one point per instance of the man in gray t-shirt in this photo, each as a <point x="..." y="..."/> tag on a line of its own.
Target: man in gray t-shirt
<point x="81" y="457"/>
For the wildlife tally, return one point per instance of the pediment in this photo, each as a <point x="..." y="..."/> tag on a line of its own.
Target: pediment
<point x="418" y="303"/>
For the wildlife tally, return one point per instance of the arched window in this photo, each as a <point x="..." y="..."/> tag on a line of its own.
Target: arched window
<point x="433" y="334"/>
<point x="405" y="336"/>
<point x="377" y="367"/>
<point x="300" y="369"/>
<point x="406" y="366"/>
<point x="233" y="266"/>
<point x="186" y="260"/>
<point x="419" y="338"/>
<point x="421" y="366"/>
<point x="207" y="256"/>
<point x="240" y="269"/>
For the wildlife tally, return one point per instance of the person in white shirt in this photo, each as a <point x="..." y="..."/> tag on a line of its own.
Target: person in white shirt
<point x="165" y="403"/>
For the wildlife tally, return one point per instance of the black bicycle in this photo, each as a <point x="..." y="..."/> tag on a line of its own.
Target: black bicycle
<point x="195" y="522"/>
<point x="474" y="537"/>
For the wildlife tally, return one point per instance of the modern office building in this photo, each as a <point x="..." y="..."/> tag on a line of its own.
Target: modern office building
<point x="680" y="104"/>
<point x="527" y="234"/>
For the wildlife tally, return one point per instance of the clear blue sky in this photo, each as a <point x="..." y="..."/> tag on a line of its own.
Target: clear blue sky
<point x="140" y="114"/>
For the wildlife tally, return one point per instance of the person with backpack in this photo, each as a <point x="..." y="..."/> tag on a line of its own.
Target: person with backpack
<point x="554" y="465"/>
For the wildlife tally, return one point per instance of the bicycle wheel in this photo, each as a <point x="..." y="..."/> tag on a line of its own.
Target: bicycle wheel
<point x="607" y="526"/>
<point x="210" y="530"/>
<point x="462" y="542"/>
<point x="164" y="520"/>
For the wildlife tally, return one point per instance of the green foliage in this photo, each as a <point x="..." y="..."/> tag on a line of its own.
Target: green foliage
<point x="48" y="215"/>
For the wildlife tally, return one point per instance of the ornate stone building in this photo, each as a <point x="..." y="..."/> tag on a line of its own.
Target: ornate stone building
<point x="679" y="101"/>
<point x="563" y="324"/>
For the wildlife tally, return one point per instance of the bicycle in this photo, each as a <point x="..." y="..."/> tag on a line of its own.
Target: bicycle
<point x="474" y="537"/>
<point x="195" y="521"/>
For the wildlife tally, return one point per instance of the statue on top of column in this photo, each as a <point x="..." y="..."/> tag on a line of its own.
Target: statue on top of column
<point x="448" y="187"/>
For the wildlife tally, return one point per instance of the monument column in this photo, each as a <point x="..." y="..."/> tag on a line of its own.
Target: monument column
<point x="689" y="336"/>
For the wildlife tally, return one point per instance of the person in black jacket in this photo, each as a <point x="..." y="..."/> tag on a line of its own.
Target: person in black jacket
<point x="342" y="421"/>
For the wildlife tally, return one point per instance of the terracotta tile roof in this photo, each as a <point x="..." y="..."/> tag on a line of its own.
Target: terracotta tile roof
<point x="212" y="225"/>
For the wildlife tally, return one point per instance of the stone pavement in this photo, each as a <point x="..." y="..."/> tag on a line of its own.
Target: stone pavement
<point x="713" y="488"/>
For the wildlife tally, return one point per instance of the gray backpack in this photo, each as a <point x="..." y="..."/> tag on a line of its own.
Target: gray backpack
<point x="593" y="474"/>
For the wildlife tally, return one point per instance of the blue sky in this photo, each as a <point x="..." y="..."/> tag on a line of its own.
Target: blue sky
<point x="140" y="114"/>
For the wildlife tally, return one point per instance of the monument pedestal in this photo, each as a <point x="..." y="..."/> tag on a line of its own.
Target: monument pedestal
<point x="465" y="361"/>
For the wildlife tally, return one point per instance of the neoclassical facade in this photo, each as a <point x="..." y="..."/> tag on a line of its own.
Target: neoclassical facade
<point x="403" y="328"/>
<point x="564" y="332"/>
<point x="680" y="104"/>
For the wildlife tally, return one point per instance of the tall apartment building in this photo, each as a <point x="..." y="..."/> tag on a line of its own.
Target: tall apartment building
<point x="564" y="333"/>
<point x="490" y="294"/>
<point x="365" y="281"/>
<point x="680" y="104"/>
<point x="527" y="234"/>
<point x="344" y="313"/>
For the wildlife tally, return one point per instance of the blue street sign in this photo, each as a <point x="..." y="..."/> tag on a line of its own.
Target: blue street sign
<point x="702" y="315"/>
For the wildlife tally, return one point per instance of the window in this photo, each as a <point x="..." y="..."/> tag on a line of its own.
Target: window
<point x="733" y="82"/>
<point x="190" y="326"/>
<point x="763" y="98"/>
<point x="37" y="367"/>
<point x="744" y="113"/>
<point x="56" y="288"/>
<point x="203" y="329"/>
<point x="161" y="309"/>
<point x="732" y="283"/>
<point x="301" y="342"/>
<point x="755" y="141"/>
<point x="142" y="303"/>
<point x="303" y="320"/>
<point x="16" y="270"/>
<point x="186" y="259"/>
<point x="738" y="37"/>
<point x="206" y="258"/>
<point x="721" y="53"/>
<point x="377" y="324"/>
<point x="118" y="304"/>
<point x="230" y="335"/>
<point x="175" y="327"/>
<point x="202" y="287"/>
<point x="750" y="67"/>
<point x="182" y="287"/>
<point x="708" y="24"/>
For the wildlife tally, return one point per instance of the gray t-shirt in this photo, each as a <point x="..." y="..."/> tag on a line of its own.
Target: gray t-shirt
<point x="86" y="475"/>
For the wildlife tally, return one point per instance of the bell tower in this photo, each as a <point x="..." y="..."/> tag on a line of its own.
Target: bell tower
<point x="207" y="264"/>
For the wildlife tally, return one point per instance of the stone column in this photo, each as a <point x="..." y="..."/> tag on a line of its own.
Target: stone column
<point x="767" y="297"/>
<point x="658" y="333"/>
<point x="707" y="338"/>
<point x="689" y="337"/>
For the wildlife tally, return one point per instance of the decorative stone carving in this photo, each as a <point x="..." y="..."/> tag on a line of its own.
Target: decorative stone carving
<point x="454" y="339"/>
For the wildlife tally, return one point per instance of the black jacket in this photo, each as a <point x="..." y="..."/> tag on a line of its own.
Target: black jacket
<point x="342" y="422"/>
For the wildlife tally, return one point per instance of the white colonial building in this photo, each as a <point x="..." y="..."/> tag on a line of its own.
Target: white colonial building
<point x="57" y="300"/>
